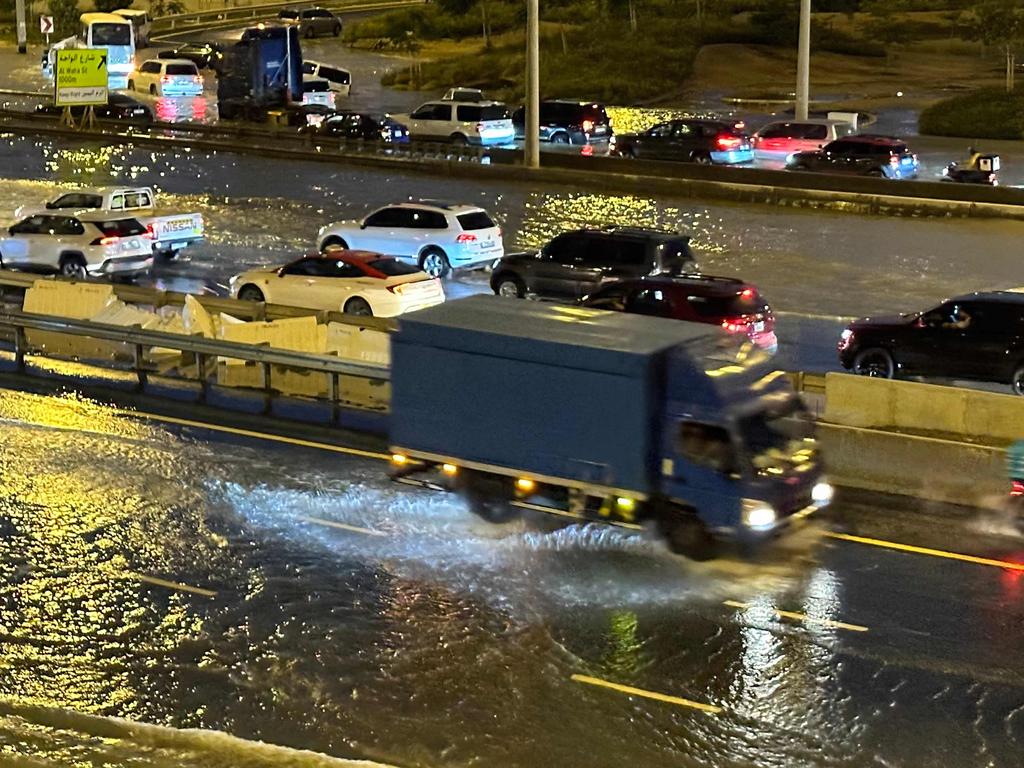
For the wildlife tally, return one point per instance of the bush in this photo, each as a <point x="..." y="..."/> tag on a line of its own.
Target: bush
<point x="989" y="113"/>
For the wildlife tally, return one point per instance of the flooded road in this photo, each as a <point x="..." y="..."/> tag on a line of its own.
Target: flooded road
<point x="191" y="580"/>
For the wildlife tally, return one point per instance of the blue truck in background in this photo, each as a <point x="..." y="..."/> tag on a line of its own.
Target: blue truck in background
<point x="601" y="416"/>
<point x="260" y="73"/>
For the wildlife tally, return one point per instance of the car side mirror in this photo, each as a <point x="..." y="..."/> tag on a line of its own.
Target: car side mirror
<point x="281" y="272"/>
<point x="11" y="231"/>
<point x="362" y="225"/>
<point x="50" y="206"/>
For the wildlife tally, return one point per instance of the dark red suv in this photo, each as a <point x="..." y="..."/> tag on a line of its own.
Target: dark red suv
<point x="734" y="305"/>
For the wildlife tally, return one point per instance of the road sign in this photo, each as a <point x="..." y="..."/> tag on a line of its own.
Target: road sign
<point x="80" y="77"/>
<point x="46" y="25"/>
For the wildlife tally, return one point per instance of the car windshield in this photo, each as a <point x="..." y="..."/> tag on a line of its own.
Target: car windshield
<point x="111" y="34"/>
<point x="475" y="220"/>
<point x="746" y="302"/>
<point x="119" y="227"/>
<point x="496" y="112"/>
<point x="779" y="435"/>
<point x="182" y="69"/>
<point x="392" y="267"/>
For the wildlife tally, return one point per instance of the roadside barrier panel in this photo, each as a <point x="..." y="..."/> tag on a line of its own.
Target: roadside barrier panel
<point x="77" y="300"/>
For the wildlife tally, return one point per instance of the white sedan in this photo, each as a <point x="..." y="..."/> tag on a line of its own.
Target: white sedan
<point x="355" y="282"/>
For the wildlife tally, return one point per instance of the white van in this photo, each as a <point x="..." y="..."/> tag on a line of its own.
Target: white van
<point x="340" y="79"/>
<point x="140" y="23"/>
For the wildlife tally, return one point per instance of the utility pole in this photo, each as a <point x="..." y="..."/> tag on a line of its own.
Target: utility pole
<point x="532" y="127"/>
<point x="803" y="61"/>
<point x="19" y="11"/>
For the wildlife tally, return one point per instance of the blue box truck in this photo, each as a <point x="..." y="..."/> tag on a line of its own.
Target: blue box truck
<point x="604" y="416"/>
<point x="260" y="73"/>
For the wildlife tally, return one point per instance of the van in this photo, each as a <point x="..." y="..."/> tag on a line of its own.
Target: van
<point x="339" y="79"/>
<point x="140" y="23"/>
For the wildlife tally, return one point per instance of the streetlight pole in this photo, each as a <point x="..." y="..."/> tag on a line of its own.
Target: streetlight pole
<point x="19" y="12"/>
<point x="532" y="126"/>
<point x="803" y="61"/>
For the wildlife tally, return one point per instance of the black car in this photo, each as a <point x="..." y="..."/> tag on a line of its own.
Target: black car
<point x="118" y="107"/>
<point x="689" y="140"/>
<point x="863" y="155"/>
<point x="563" y="121"/>
<point x="363" y="125"/>
<point x="977" y="336"/>
<point x="575" y="264"/>
<point x="203" y="55"/>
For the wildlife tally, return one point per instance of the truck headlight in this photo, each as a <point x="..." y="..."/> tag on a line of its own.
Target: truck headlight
<point x="758" y="514"/>
<point x="821" y="494"/>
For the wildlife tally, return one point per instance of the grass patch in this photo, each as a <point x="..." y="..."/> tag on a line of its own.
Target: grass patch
<point x="989" y="113"/>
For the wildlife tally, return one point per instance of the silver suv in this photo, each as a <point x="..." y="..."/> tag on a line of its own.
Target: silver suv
<point x="437" y="237"/>
<point x="461" y="122"/>
<point x="312" y="21"/>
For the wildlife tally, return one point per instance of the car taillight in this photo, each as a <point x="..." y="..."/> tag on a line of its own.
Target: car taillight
<point x="399" y="289"/>
<point x="197" y="79"/>
<point x="109" y="240"/>
<point x="894" y="161"/>
<point x="725" y="141"/>
<point x="165" y="79"/>
<point x="480" y="127"/>
<point x="1017" y="488"/>
<point x="465" y="237"/>
<point x="735" y="324"/>
<point x="150" y="232"/>
<point x="588" y="126"/>
<point x="748" y="293"/>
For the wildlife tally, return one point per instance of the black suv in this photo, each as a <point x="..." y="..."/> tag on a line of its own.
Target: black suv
<point x="978" y="336"/>
<point x="864" y="155"/>
<point x="563" y="121"/>
<point x="575" y="264"/>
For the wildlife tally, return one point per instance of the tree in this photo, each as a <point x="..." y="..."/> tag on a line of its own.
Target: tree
<point x="108" y="6"/>
<point x="998" y="24"/>
<point x="65" y="16"/>
<point x="883" y="25"/>
<point x="166" y="7"/>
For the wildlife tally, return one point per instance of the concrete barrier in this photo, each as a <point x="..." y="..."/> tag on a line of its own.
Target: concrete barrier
<point x="924" y="467"/>
<point x="912" y="407"/>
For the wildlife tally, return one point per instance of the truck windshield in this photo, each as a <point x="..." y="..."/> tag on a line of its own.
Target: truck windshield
<point x="776" y="436"/>
<point x="112" y="34"/>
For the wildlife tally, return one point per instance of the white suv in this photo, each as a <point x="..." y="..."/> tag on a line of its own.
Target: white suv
<point x="78" y="245"/>
<point x="462" y="122"/>
<point x="437" y="237"/>
<point x="167" y="77"/>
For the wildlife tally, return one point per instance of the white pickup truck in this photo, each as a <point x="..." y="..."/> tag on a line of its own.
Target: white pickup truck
<point x="171" y="231"/>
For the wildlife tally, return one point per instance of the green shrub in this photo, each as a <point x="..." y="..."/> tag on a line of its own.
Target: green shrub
<point x="989" y="113"/>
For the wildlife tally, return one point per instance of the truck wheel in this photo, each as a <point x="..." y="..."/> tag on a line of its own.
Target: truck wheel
<point x="458" y="139"/>
<point x="489" y="497"/>
<point x="1017" y="382"/>
<point x="333" y="242"/>
<point x="131" y="85"/>
<point x="434" y="262"/>
<point x="73" y="265"/>
<point x="250" y="293"/>
<point x="358" y="307"/>
<point x="686" y="535"/>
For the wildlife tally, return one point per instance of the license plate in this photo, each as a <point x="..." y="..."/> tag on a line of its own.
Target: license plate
<point x="178" y="226"/>
<point x="759" y="327"/>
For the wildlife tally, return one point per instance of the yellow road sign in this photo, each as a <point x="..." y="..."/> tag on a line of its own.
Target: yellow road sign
<point x="80" y="77"/>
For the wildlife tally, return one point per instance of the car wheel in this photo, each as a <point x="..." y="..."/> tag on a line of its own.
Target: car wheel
<point x="152" y="90"/>
<point x="251" y="293"/>
<point x="434" y="262"/>
<point x="73" y="265"/>
<point x="131" y="85"/>
<point x="358" y="307"/>
<point x="874" y="362"/>
<point x="686" y="535"/>
<point x="510" y="287"/>
<point x="702" y="159"/>
<point x="310" y="34"/>
<point x="333" y="242"/>
<point x="631" y="153"/>
<point x="876" y="173"/>
<point x="337" y="30"/>
<point x="1018" y="380"/>
<point x="560" y="138"/>
<point x="458" y="139"/>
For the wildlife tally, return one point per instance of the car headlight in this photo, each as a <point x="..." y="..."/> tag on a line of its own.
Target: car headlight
<point x="822" y="493"/>
<point x="845" y="338"/>
<point x="758" y="514"/>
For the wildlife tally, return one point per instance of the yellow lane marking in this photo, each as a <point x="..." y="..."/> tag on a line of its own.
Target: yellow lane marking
<point x="259" y="435"/>
<point x="342" y="526"/>
<point x="573" y="515"/>
<point x="628" y="689"/>
<point x="802" y="617"/>
<point x="172" y="585"/>
<point x="927" y="551"/>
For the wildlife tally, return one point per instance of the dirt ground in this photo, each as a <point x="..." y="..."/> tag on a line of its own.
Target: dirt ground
<point x="871" y="83"/>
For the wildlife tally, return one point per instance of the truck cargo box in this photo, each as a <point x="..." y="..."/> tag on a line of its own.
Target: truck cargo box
<point x="541" y="389"/>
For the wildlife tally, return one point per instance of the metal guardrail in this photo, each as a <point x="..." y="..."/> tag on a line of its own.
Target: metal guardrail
<point x="205" y="352"/>
<point x="195" y="20"/>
